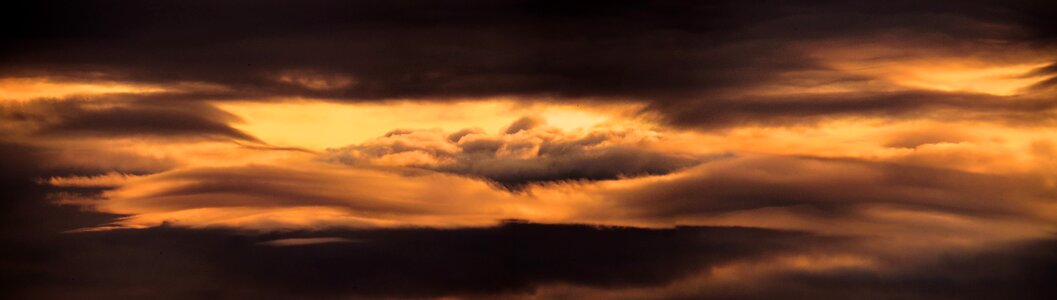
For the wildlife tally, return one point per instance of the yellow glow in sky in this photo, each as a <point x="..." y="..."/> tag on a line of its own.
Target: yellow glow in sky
<point x="1001" y="73"/>
<point x="995" y="80"/>
<point x="32" y="88"/>
<point x="321" y="125"/>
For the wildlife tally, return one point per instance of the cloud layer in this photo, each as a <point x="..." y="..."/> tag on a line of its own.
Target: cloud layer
<point x="716" y="64"/>
<point x="120" y="116"/>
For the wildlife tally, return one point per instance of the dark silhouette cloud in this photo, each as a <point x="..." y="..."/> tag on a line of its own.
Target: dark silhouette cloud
<point x="117" y="116"/>
<point x="603" y="164"/>
<point x="525" y="123"/>
<point x="1023" y="270"/>
<point x="807" y="108"/>
<point x="1049" y="70"/>
<point x="699" y="64"/>
<point x="162" y="122"/>
<point x="27" y="209"/>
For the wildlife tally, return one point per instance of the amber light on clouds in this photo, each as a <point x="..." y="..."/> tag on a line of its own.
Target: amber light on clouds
<point x="529" y="150"/>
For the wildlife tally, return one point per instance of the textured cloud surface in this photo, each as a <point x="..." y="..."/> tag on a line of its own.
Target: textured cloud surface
<point x="526" y="152"/>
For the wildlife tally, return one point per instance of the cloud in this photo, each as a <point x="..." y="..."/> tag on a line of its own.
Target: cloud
<point x="525" y="123"/>
<point x="800" y="109"/>
<point x="46" y="261"/>
<point x="919" y="137"/>
<point x="111" y="179"/>
<point x="306" y="241"/>
<point x="701" y="65"/>
<point x="133" y="122"/>
<point x="829" y="186"/>
<point x="117" y="116"/>
<point x="1020" y="270"/>
<point x="188" y="254"/>
<point x="29" y="212"/>
<point x="836" y="196"/>
<point x="891" y="150"/>
<point x="308" y="195"/>
<point x="526" y="153"/>
<point x="511" y="259"/>
<point x="1047" y="71"/>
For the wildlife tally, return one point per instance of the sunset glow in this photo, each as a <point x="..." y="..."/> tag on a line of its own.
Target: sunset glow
<point x="530" y="150"/>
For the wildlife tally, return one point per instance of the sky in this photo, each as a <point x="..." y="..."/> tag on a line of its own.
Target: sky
<point x="528" y="149"/>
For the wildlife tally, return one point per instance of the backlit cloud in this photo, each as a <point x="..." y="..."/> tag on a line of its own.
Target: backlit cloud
<point x="525" y="152"/>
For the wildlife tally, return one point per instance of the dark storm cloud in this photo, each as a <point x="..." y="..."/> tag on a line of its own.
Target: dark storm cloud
<point x="118" y="116"/>
<point x="672" y="54"/>
<point x="24" y="199"/>
<point x="527" y="152"/>
<point x="29" y="220"/>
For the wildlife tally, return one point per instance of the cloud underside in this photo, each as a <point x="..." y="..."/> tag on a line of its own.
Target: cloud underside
<point x="819" y="190"/>
<point x="698" y="65"/>
<point x="512" y="260"/>
<point x="515" y="260"/>
<point x="122" y="115"/>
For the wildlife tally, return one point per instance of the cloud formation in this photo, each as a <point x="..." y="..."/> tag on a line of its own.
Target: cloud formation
<point x="669" y="149"/>
<point x="777" y="192"/>
<point x="832" y="186"/>
<point x="526" y="152"/>
<point x="707" y="65"/>
<point x="513" y="259"/>
<point x="121" y="116"/>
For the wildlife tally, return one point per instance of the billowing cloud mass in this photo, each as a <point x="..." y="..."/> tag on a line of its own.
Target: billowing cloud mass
<point x="465" y="149"/>
<point x="526" y="152"/>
